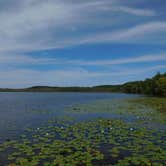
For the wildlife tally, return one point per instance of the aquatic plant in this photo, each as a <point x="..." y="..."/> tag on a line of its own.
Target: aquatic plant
<point x="69" y="141"/>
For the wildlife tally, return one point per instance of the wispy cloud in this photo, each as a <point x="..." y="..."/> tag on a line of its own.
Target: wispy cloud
<point x="150" y="33"/>
<point x="37" y="25"/>
<point x="139" y="59"/>
<point x="29" y="60"/>
<point x="131" y="10"/>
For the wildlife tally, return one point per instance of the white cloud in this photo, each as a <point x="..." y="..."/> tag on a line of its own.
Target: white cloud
<point x="130" y="10"/>
<point x="137" y="11"/>
<point x="139" y="59"/>
<point x="49" y="24"/>
<point x="143" y="33"/>
<point x="148" y="33"/>
<point x="29" y="60"/>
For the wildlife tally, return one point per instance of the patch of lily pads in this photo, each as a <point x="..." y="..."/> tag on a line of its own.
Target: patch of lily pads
<point x="143" y="110"/>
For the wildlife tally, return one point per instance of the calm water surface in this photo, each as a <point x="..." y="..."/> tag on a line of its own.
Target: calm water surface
<point x="21" y="110"/>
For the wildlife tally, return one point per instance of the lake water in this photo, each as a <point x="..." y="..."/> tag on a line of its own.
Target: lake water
<point x="82" y="128"/>
<point x="21" y="110"/>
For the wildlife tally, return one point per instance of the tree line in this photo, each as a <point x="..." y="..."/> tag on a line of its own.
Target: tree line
<point x="155" y="86"/>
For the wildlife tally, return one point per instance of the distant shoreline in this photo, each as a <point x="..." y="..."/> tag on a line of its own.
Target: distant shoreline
<point x="155" y="86"/>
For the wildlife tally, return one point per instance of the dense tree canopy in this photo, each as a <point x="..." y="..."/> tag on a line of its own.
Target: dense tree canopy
<point x="153" y="86"/>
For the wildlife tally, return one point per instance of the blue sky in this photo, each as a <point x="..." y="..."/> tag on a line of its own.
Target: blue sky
<point x="80" y="43"/>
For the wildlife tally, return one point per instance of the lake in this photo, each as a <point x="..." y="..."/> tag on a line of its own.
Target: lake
<point x="108" y="127"/>
<point x="17" y="110"/>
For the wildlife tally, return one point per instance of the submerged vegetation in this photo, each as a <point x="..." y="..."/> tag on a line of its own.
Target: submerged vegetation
<point x="155" y="86"/>
<point x="134" y="137"/>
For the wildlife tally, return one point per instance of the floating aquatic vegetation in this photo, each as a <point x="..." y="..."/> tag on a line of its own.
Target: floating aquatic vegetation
<point x="81" y="143"/>
<point x="100" y="141"/>
<point x="38" y="111"/>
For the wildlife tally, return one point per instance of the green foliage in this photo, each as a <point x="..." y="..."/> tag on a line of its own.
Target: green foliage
<point x="154" y="86"/>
